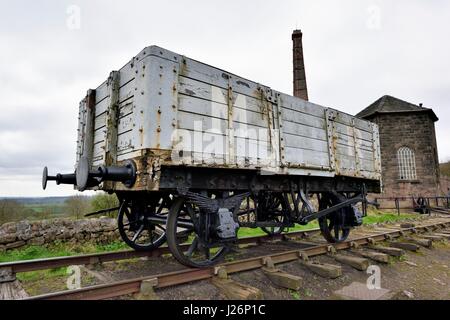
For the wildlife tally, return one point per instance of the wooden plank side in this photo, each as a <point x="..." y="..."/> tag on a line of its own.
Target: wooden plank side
<point x="125" y="123"/>
<point x="101" y="93"/>
<point x="214" y="109"/>
<point x="304" y="130"/>
<point x="347" y="130"/>
<point x="204" y="73"/>
<point x="367" y="165"/>
<point x="347" y="120"/>
<point x="101" y="107"/>
<point x="252" y="152"/>
<point x="350" y="151"/>
<point x="303" y="118"/>
<point x="127" y="91"/>
<point x="294" y="141"/>
<point x="299" y="105"/>
<point x="306" y="158"/>
<point x="203" y="107"/>
<point x="194" y="88"/>
<point x="100" y="121"/>
<point x="125" y="141"/>
<point x="346" y="162"/>
<point x="197" y="122"/>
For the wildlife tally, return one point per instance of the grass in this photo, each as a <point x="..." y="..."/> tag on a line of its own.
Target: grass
<point x="377" y="216"/>
<point x="294" y="294"/>
<point x="249" y="232"/>
<point x="58" y="249"/>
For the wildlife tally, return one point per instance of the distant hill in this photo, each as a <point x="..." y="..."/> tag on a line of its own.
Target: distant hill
<point x="445" y="168"/>
<point x="38" y="200"/>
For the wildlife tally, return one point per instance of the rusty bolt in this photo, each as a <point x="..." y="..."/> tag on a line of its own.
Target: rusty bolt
<point x="159" y="129"/>
<point x="159" y="111"/>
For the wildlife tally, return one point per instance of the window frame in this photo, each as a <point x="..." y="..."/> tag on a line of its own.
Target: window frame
<point x="406" y="161"/>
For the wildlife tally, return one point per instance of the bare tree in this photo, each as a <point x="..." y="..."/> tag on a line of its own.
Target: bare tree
<point x="11" y="210"/>
<point x="104" y="201"/>
<point x="77" y="206"/>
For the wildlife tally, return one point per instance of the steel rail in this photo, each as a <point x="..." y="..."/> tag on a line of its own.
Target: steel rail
<point x="132" y="286"/>
<point x="57" y="262"/>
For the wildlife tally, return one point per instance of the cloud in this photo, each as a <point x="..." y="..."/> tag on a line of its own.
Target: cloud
<point x="355" y="52"/>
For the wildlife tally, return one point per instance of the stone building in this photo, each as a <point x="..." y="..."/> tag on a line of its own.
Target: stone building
<point x="409" y="158"/>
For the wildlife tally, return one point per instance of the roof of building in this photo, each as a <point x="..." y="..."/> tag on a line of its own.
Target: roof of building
<point x="389" y="104"/>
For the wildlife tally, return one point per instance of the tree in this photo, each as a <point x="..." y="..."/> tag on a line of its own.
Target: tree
<point x="105" y="201"/>
<point x="77" y="206"/>
<point x="46" y="212"/>
<point x="11" y="210"/>
<point x="445" y="168"/>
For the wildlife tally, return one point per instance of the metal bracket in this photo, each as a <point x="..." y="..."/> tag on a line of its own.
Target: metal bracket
<point x="221" y="272"/>
<point x="330" y="115"/>
<point x="354" y="245"/>
<point x="331" y="250"/>
<point x="388" y="237"/>
<point x="303" y="255"/>
<point x="332" y="209"/>
<point x="268" y="262"/>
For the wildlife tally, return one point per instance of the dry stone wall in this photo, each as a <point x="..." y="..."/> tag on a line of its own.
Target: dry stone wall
<point x="18" y="234"/>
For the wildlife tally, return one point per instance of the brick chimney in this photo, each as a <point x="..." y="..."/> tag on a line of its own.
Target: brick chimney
<point x="300" y="88"/>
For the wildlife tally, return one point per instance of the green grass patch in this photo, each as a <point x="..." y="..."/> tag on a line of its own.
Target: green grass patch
<point x="58" y="249"/>
<point x="376" y="216"/>
<point x="294" y="294"/>
<point x="250" y="232"/>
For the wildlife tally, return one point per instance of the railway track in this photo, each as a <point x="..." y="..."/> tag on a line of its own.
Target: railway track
<point x="50" y="263"/>
<point x="164" y="280"/>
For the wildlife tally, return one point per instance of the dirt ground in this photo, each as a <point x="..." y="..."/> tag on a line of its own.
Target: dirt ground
<point x="416" y="275"/>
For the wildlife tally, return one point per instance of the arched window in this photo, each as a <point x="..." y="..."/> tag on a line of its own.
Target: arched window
<point x="406" y="164"/>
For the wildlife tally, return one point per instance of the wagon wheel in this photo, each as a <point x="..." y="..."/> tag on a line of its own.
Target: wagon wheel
<point x="184" y="219"/>
<point x="136" y="227"/>
<point x="331" y="225"/>
<point x="273" y="207"/>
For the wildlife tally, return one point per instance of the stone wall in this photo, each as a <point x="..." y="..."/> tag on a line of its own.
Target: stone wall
<point x="416" y="131"/>
<point x="18" y="234"/>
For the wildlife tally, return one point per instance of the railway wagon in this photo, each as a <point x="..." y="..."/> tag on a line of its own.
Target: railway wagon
<point x="194" y="152"/>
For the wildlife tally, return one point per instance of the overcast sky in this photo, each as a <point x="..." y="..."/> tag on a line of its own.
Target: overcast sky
<point x="51" y="52"/>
